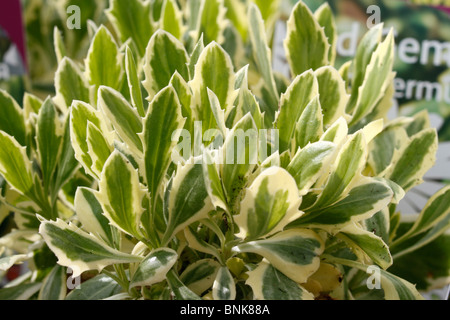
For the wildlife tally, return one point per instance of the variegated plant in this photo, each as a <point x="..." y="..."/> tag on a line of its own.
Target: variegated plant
<point x="202" y="179"/>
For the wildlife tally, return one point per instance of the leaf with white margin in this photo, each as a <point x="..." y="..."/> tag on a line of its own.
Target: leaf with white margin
<point x="306" y="44"/>
<point x="121" y="194"/>
<point x="103" y="65"/>
<point x="133" y="82"/>
<point x="217" y="111"/>
<point x="213" y="181"/>
<point x="347" y="167"/>
<point x="364" y="199"/>
<point x="80" y="250"/>
<point x="154" y="267"/>
<point x="97" y="288"/>
<point x="337" y="132"/>
<point x="411" y="163"/>
<point x="246" y="101"/>
<point x="378" y="76"/>
<point x="369" y="243"/>
<point x="358" y="67"/>
<point x="333" y="94"/>
<point x="239" y="158"/>
<point x="189" y="200"/>
<point x="262" y="54"/>
<point x="184" y="94"/>
<point x="12" y="118"/>
<point x="270" y="203"/>
<point x="49" y="136"/>
<point x="54" y="286"/>
<point x="90" y="213"/>
<point x="172" y="19"/>
<point x="200" y="275"/>
<point x="16" y="167"/>
<point x="131" y="19"/>
<point x="431" y="222"/>
<point x="309" y="127"/>
<point x="98" y="148"/>
<point x="164" y="56"/>
<point x="180" y="291"/>
<point x="163" y="119"/>
<point x="309" y="163"/>
<point x="214" y="71"/>
<point x="394" y="287"/>
<point x="325" y="17"/>
<point x="80" y="115"/>
<point x="224" y="287"/>
<point x="294" y="252"/>
<point x="212" y="20"/>
<point x="70" y="84"/>
<point x="122" y="115"/>
<point x="20" y="292"/>
<point x="292" y="104"/>
<point x="197" y="243"/>
<point x="268" y="283"/>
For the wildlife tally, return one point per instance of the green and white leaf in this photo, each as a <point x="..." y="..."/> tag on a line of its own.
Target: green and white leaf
<point x="238" y="159"/>
<point x="212" y="20"/>
<point x="378" y="76"/>
<point x="306" y="43"/>
<point x="189" y="200"/>
<point x="80" y="250"/>
<point x="366" y="197"/>
<point x="367" y="243"/>
<point x="16" y="167"/>
<point x="346" y="168"/>
<point x="414" y="160"/>
<point x="213" y="71"/>
<point x="172" y="19"/>
<point x="325" y="17"/>
<point x="268" y="283"/>
<point x="103" y="64"/>
<point x="270" y="203"/>
<point x="98" y="148"/>
<point x="262" y="54"/>
<point x="49" y="136"/>
<point x="80" y="115"/>
<point x="164" y="56"/>
<point x="394" y="287"/>
<point x="121" y="194"/>
<point x="224" y="287"/>
<point x="200" y="275"/>
<point x="90" y="213"/>
<point x="154" y="267"/>
<point x="54" y="286"/>
<point x="309" y="163"/>
<point x="97" y="288"/>
<point x="160" y="136"/>
<point x="292" y="104"/>
<point x="12" y="119"/>
<point x="20" y="292"/>
<point x="134" y="84"/>
<point x="309" y="127"/>
<point x="333" y="94"/>
<point x="131" y="20"/>
<point x="122" y="115"/>
<point x="70" y="85"/>
<point x="295" y="252"/>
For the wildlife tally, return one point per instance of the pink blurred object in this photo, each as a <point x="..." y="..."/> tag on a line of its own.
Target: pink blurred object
<point x="444" y="8"/>
<point x="11" y="22"/>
